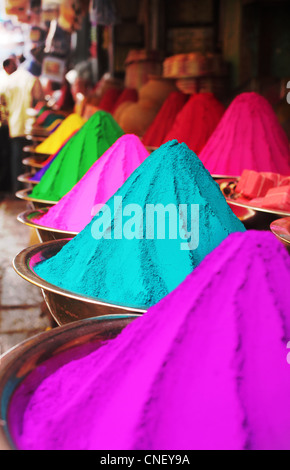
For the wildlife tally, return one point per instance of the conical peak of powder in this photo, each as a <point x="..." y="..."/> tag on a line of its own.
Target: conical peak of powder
<point x="76" y="209"/>
<point x="77" y="156"/>
<point x="138" y="260"/>
<point x="206" y="368"/>
<point x="196" y="121"/>
<point x="249" y="136"/>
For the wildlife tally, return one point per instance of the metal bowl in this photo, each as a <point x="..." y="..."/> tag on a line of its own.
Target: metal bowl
<point x="254" y="218"/>
<point x="31" y="151"/>
<point x="281" y="228"/>
<point x="65" y="306"/>
<point x="45" y="234"/>
<point x="33" y="162"/>
<point x="26" y="178"/>
<point x="24" y="194"/>
<point x="31" y="361"/>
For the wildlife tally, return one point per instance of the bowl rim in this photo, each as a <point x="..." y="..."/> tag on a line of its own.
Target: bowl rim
<point x="24" y="194"/>
<point x="275" y="225"/>
<point x="21" y="265"/>
<point x="26" y="178"/>
<point x="30" y="161"/>
<point x="23" y="217"/>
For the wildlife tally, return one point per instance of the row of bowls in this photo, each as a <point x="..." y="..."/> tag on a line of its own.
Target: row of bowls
<point x="84" y="322"/>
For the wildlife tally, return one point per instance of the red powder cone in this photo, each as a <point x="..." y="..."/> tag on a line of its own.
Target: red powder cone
<point x="109" y="99"/>
<point x="196" y="122"/>
<point x="164" y="120"/>
<point x="128" y="94"/>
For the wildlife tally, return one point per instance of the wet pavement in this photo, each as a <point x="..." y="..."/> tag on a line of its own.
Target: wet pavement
<point x="23" y="312"/>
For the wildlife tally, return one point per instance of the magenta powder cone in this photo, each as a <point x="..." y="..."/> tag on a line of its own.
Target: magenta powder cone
<point x="76" y="209"/>
<point x="248" y="137"/>
<point x="205" y="368"/>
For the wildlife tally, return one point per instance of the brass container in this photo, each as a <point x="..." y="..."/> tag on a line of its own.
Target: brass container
<point x="53" y="348"/>
<point x="64" y="306"/>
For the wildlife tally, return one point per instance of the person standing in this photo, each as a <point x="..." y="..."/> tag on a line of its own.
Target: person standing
<point x="23" y="91"/>
<point x="9" y="67"/>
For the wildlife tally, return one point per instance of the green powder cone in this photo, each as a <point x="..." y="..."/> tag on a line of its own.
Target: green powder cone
<point x="135" y="271"/>
<point x="94" y="138"/>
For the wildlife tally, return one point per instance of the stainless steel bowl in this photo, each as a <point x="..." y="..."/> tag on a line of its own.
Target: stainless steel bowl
<point x="32" y="152"/>
<point x="25" y="195"/>
<point x="26" y="178"/>
<point x="255" y="218"/>
<point x="44" y="233"/>
<point x="281" y="229"/>
<point x="33" y="162"/>
<point x="53" y="348"/>
<point x="64" y="306"/>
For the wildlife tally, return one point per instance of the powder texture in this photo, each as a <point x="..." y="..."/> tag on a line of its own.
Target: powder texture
<point x="139" y="272"/>
<point x="249" y="136"/>
<point x="77" y="156"/>
<point x="205" y="368"/>
<point x="164" y="120"/>
<point x="64" y="131"/>
<point x="74" y="211"/>
<point x="196" y="121"/>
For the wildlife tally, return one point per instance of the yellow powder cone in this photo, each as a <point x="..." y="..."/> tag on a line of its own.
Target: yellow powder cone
<point x="55" y="141"/>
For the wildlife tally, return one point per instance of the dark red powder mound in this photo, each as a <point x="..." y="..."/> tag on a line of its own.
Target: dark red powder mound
<point x="196" y="121"/>
<point x="156" y="133"/>
<point x="128" y="94"/>
<point x="109" y="99"/>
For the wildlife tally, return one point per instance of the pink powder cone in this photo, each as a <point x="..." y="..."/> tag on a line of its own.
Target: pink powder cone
<point x="75" y="210"/>
<point x="205" y="368"/>
<point x="248" y="137"/>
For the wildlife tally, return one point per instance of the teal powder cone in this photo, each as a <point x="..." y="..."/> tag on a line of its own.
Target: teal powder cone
<point x="133" y="260"/>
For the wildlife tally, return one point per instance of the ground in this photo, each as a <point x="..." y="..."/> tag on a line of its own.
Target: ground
<point x="23" y="312"/>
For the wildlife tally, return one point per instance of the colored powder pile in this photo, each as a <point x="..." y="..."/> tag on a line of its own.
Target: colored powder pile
<point x="127" y="95"/>
<point x="46" y="164"/>
<point x="196" y="121"/>
<point x="77" y="156"/>
<point x="109" y="99"/>
<point x="74" y="211"/>
<point x="249" y="137"/>
<point x="64" y="131"/>
<point x="204" y="369"/>
<point x="137" y="260"/>
<point x="158" y="130"/>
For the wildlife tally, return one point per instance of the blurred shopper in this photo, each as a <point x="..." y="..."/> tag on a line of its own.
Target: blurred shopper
<point x="9" y="67"/>
<point x="23" y="91"/>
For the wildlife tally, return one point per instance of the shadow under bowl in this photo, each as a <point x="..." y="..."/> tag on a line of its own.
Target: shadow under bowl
<point x="65" y="306"/>
<point x="26" y="365"/>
